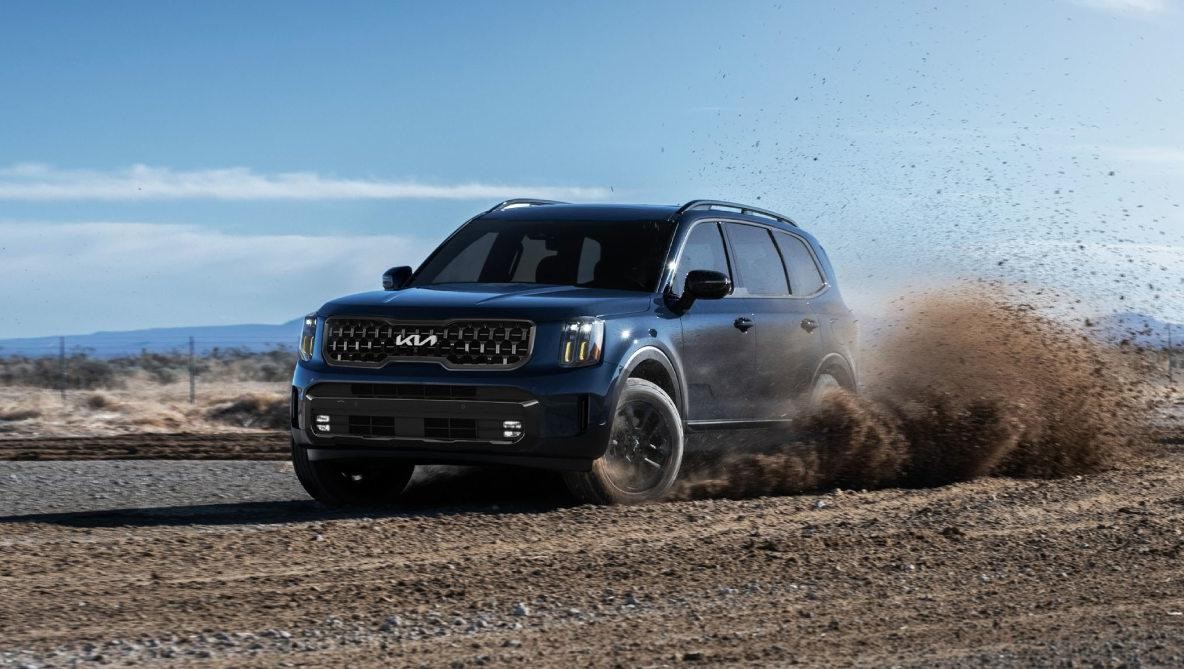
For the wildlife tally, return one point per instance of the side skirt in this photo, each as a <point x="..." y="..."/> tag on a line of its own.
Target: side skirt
<point x="708" y="425"/>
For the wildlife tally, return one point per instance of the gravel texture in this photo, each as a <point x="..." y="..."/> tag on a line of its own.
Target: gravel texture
<point x="28" y="488"/>
<point x="271" y="445"/>
<point x="229" y="564"/>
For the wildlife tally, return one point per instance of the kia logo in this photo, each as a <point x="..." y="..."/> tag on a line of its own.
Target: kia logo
<point x="416" y="340"/>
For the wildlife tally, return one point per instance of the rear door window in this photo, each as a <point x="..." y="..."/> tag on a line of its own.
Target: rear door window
<point x="804" y="276"/>
<point x="758" y="265"/>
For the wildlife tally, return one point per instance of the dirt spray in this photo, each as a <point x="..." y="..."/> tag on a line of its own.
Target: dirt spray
<point x="957" y="387"/>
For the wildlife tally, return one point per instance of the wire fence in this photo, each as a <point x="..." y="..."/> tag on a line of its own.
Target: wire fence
<point x="98" y="361"/>
<point x="114" y="361"/>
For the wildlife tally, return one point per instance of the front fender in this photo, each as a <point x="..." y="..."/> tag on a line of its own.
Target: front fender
<point x="649" y="352"/>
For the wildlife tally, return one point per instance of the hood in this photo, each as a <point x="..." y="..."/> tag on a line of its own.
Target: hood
<point x="536" y="302"/>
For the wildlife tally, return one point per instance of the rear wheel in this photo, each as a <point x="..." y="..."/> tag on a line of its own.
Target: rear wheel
<point x="351" y="482"/>
<point x="644" y="451"/>
<point x="824" y="385"/>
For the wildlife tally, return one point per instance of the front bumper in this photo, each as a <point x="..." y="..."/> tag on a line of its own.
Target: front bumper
<point x="416" y="419"/>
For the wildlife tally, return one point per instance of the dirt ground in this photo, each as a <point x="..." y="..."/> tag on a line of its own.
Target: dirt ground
<point x="202" y="549"/>
<point x="483" y="568"/>
<point x="270" y="445"/>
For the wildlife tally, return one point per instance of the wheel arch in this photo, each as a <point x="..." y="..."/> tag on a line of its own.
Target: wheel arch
<point x="653" y="365"/>
<point x="838" y="366"/>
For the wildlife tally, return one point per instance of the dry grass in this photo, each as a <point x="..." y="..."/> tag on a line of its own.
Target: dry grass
<point x="87" y="373"/>
<point x="143" y="409"/>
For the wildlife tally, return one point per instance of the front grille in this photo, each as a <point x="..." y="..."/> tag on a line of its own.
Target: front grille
<point x="418" y="391"/>
<point x="458" y="344"/>
<point x="443" y="429"/>
<point x="413" y="391"/>
<point x="372" y="426"/>
<point x="450" y="428"/>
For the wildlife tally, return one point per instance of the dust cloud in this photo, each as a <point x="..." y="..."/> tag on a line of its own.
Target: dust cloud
<point x="960" y="385"/>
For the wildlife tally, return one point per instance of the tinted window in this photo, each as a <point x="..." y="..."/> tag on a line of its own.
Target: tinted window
<point x="589" y="258"/>
<point x="758" y="265"/>
<point x="704" y="249"/>
<point x="461" y="266"/>
<point x="804" y="277"/>
<point x="623" y="255"/>
<point x="531" y="257"/>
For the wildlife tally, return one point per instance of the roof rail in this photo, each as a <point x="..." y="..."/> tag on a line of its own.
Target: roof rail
<point x="521" y="202"/>
<point x="741" y="208"/>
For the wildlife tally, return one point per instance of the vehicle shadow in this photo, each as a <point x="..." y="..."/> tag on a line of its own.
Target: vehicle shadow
<point x="438" y="491"/>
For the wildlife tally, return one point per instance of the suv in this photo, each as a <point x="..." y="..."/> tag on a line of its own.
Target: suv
<point x="603" y="341"/>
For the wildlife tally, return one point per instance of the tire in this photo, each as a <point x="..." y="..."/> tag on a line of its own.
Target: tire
<point x="346" y="483"/>
<point x="825" y="384"/>
<point x="644" y="453"/>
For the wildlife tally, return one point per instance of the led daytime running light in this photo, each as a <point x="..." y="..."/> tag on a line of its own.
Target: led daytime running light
<point x="582" y="342"/>
<point x="308" y="337"/>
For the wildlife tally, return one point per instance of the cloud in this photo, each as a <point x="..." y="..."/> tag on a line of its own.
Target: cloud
<point x="1150" y="161"/>
<point x="69" y="278"/>
<point x="1170" y="155"/>
<point x="1127" y="6"/>
<point x="142" y="182"/>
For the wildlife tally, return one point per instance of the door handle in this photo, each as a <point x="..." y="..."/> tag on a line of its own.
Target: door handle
<point x="743" y="323"/>
<point x="809" y="324"/>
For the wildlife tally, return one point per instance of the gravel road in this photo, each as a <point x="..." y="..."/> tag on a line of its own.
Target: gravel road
<point x="259" y="445"/>
<point x="227" y="563"/>
<point x="30" y="488"/>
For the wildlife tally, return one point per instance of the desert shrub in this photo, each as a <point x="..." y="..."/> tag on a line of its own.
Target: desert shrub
<point x="84" y="372"/>
<point x="14" y="414"/>
<point x="97" y="401"/>
<point x="253" y="410"/>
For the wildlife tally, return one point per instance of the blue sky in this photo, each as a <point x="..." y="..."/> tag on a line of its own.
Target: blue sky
<point x="166" y="163"/>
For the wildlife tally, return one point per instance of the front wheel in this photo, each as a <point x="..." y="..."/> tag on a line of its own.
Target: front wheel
<point x="340" y="483"/>
<point x="644" y="451"/>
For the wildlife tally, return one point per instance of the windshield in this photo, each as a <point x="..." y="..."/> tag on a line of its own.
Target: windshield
<point x="621" y="255"/>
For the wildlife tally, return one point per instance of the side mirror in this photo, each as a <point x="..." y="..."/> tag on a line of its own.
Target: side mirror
<point x="702" y="284"/>
<point x="706" y="284"/>
<point x="396" y="277"/>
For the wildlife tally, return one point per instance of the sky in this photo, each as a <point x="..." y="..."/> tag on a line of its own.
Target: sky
<point x="172" y="164"/>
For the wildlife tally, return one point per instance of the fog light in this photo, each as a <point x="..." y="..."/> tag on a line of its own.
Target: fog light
<point x="322" y="427"/>
<point x="322" y="418"/>
<point x="512" y="429"/>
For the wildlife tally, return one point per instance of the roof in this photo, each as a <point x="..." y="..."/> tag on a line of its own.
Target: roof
<point x="585" y="212"/>
<point x="541" y="210"/>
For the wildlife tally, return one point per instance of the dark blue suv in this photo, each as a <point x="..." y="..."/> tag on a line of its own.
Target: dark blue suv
<point x="604" y="341"/>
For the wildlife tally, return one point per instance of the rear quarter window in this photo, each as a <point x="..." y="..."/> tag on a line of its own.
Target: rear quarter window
<point x="805" y="278"/>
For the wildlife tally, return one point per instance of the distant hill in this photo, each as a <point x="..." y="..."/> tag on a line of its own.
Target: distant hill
<point x="1137" y="329"/>
<point x="162" y="340"/>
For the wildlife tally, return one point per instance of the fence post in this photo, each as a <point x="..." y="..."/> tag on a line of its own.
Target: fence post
<point x="62" y="366"/>
<point x="192" y="374"/>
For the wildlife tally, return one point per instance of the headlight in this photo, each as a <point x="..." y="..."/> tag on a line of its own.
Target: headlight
<point x="308" y="337"/>
<point x="582" y="342"/>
